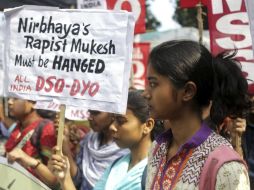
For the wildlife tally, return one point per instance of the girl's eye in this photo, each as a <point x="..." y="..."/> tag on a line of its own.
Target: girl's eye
<point x="152" y="84"/>
<point x="120" y="120"/>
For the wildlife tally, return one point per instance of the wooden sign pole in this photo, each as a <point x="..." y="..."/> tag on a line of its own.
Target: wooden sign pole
<point x="60" y="134"/>
<point x="200" y="22"/>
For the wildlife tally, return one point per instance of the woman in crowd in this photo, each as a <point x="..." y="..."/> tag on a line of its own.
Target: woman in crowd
<point x="31" y="141"/>
<point x="183" y="78"/>
<point x="97" y="151"/>
<point x="134" y="131"/>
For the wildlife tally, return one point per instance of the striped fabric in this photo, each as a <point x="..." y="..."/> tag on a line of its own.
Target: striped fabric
<point x="183" y="170"/>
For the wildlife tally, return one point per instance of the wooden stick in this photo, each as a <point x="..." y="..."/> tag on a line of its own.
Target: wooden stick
<point x="60" y="134"/>
<point x="200" y="21"/>
<point x="237" y="144"/>
<point x="236" y="139"/>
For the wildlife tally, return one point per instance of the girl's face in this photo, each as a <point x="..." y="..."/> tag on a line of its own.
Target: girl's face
<point x="127" y="130"/>
<point x="163" y="98"/>
<point x="19" y="108"/>
<point x="100" y="121"/>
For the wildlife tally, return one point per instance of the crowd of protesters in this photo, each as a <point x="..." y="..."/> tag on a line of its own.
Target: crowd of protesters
<point x="191" y="128"/>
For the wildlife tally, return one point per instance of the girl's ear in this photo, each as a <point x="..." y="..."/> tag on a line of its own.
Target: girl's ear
<point x="148" y="126"/>
<point x="190" y="90"/>
<point x="29" y="106"/>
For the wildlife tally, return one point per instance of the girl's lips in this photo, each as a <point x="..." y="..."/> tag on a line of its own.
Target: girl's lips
<point x="115" y="139"/>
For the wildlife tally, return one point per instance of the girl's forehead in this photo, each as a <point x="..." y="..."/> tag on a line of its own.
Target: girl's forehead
<point x="128" y="111"/>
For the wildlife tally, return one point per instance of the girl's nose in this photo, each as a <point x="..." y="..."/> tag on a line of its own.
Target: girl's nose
<point x="146" y="94"/>
<point x="10" y="101"/>
<point x="112" y="127"/>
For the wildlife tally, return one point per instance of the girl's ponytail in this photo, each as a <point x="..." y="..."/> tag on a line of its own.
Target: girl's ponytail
<point x="230" y="97"/>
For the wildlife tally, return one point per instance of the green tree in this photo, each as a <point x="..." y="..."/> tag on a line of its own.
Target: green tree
<point x="151" y="22"/>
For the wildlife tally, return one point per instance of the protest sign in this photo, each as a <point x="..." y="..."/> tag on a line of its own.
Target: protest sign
<point x="250" y="9"/>
<point x="139" y="64"/>
<point x="229" y="30"/>
<point x="2" y="24"/>
<point x="71" y="113"/>
<point x="54" y="54"/>
<point x="15" y="177"/>
<point x="91" y="4"/>
<point x="136" y="6"/>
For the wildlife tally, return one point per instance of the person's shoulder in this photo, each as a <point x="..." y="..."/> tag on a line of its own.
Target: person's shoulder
<point x="215" y="140"/>
<point x="46" y="126"/>
<point x="235" y="165"/>
<point x="46" y="123"/>
<point x="117" y="163"/>
<point x="233" y="175"/>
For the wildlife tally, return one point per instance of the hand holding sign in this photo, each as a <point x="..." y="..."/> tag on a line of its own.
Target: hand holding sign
<point x="59" y="165"/>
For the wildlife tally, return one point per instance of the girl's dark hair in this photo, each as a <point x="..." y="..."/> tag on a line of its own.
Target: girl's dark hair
<point x="218" y="79"/>
<point x="138" y="105"/>
<point x="47" y="114"/>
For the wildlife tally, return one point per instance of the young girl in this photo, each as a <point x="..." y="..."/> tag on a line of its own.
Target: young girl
<point x="132" y="131"/>
<point x="26" y="145"/>
<point x="183" y="78"/>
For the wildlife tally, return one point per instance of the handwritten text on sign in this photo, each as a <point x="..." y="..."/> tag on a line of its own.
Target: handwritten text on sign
<point x="58" y="54"/>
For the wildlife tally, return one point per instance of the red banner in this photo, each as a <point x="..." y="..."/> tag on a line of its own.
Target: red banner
<point x="191" y="3"/>
<point x="229" y="28"/>
<point x="139" y="64"/>
<point x="136" y="6"/>
<point x="250" y="10"/>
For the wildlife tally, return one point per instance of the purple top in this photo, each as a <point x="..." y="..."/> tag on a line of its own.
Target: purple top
<point x="200" y="136"/>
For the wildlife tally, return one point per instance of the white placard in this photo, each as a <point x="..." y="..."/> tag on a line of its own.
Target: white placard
<point x="250" y="9"/>
<point x="15" y="177"/>
<point x="54" y="54"/>
<point x="2" y="26"/>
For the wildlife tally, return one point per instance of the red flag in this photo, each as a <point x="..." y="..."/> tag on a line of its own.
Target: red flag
<point x="139" y="64"/>
<point x="191" y="3"/>
<point x="229" y="29"/>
